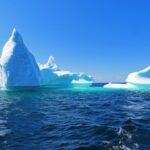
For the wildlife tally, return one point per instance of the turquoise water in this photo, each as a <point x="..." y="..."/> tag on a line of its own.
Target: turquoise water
<point x="74" y="119"/>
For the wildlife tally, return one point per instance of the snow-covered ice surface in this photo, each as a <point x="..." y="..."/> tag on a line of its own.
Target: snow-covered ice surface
<point x="18" y="65"/>
<point x="18" y="68"/>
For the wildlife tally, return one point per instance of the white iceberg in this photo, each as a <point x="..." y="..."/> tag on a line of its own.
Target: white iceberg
<point x="135" y="80"/>
<point x="51" y="75"/>
<point x="119" y="86"/>
<point x="140" y="77"/>
<point x="18" y="65"/>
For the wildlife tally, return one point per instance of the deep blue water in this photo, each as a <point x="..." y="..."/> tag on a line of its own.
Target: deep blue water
<point x="60" y="119"/>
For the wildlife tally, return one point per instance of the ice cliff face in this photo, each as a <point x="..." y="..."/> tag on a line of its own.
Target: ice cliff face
<point x="18" y="65"/>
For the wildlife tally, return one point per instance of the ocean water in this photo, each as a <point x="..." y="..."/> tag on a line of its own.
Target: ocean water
<point x="74" y="119"/>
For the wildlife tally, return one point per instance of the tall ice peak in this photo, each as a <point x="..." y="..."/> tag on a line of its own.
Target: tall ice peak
<point x="14" y="44"/>
<point x="18" y="64"/>
<point x="15" y="36"/>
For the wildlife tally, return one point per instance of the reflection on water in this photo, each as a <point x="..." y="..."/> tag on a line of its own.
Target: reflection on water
<point x="74" y="119"/>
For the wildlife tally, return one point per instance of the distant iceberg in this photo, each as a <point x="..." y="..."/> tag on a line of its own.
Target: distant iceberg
<point x="135" y="80"/>
<point x="119" y="86"/>
<point x="18" y="68"/>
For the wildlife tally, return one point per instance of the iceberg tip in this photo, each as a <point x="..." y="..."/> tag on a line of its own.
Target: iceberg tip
<point x="15" y="36"/>
<point x="51" y="63"/>
<point x="14" y="30"/>
<point x="50" y="60"/>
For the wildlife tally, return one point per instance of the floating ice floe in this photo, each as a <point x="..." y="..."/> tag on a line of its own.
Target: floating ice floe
<point x="119" y="86"/>
<point x="18" y="68"/>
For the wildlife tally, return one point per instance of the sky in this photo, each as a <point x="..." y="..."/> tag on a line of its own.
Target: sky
<point x="107" y="39"/>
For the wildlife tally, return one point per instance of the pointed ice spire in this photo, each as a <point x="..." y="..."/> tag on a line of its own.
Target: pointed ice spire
<point x="51" y="63"/>
<point x="14" y="30"/>
<point x="11" y="46"/>
<point x="15" y="36"/>
<point x="19" y="65"/>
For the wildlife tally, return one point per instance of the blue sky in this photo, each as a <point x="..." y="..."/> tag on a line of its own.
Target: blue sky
<point x="105" y="38"/>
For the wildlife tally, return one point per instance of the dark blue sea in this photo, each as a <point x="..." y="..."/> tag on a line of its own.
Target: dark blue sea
<point x="74" y="119"/>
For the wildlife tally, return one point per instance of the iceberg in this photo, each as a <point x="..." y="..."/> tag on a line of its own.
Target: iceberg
<point x="139" y="78"/>
<point x="18" y="66"/>
<point x="75" y="79"/>
<point x="52" y="75"/>
<point x="135" y="80"/>
<point x="119" y="86"/>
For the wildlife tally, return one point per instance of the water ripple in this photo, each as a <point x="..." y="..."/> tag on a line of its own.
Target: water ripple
<point x="44" y="119"/>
